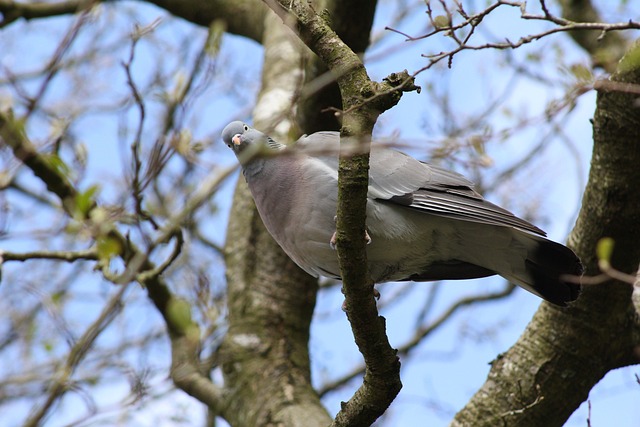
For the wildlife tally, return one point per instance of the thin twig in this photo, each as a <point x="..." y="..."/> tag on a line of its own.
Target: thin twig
<point x="472" y="21"/>
<point x="422" y="333"/>
<point x="52" y="68"/>
<point x="60" y="384"/>
<point x="136" y="188"/>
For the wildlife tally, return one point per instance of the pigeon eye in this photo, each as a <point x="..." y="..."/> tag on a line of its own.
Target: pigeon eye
<point x="246" y="128"/>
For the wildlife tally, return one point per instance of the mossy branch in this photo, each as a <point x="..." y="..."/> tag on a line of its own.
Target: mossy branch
<point x="363" y="101"/>
<point x="185" y="345"/>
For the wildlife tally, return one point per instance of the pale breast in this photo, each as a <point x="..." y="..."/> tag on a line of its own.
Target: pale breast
<point x="297" y="203"/>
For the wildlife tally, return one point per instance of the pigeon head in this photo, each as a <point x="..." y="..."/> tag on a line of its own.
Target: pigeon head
<point x="240" y="137"/>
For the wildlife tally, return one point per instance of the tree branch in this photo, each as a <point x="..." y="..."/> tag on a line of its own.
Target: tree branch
<point x="13" y="134"/>
<point x="605" y="47"/>
<point x="242" y="17"/>
<point x="61" y="381"/>
<point x="69" y="256"/>
<point x="565" y="352"/>
<point x="589" y="32"/>
<point x="12" y="10"/>
<point x="185" y="347"/>
<point x="382" y="382"/>
<point x="270" y="300"/>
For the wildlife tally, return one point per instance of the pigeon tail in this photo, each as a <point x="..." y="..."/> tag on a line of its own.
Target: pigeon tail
<point x="548" y="269"/>
<point x="551" y="266"/>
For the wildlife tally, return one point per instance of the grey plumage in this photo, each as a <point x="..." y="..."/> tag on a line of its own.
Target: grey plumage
<point x="426" y="223"/>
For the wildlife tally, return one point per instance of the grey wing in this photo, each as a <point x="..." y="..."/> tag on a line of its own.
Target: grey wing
<point x="323" y="145"/>
<point x="403" y="180"/>
<point x="400" y="179"/>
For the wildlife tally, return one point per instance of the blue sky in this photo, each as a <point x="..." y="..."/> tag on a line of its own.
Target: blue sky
<point x="448" y="367"/>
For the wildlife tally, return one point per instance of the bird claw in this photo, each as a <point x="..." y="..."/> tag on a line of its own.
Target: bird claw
<point x="376" y="295"/>
<point x="334" y="238"/>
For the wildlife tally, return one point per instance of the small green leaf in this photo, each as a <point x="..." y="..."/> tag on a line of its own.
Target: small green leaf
<point x="179" y="312"/>
<point x="56" y="297"/>
<point x="478" y="144"/>
<point x="631" y="60"/>
<point x="85" y="201"/>
<point x="581" y="73"/>
<point x="107" y="247"/>
<point x="92" y="380"/>
<point x="533" y="57"/>
<point x="604" y="249"/>
<point x="441" y="21"/>
<point x="59" y="165"/>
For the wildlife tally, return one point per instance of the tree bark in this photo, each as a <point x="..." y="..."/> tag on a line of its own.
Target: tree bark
<point x="270" y="300"/>
<point x="563" y="353"/>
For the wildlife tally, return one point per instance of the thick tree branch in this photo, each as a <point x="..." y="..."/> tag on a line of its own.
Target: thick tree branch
<point x="265" y="355"/>
<point x="14" y="10"/>
<point x="242" y="17"/>
<point x="565" y="352"/>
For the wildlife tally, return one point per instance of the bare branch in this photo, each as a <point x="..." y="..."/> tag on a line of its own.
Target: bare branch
<point x="136" y="188"/>
<point x="60" y="383"/>
<point x="184" y="345"/>
<point x="613" y="86"/>
<point x="382" y="381"/>
<point x="51" y="67"/>
<point x="197" y="233"/>
<point x="470" y="22"/>
<point x="605" y="47"/>
<point x="177" y="249"/>
<point x="69" y="256"/>
<point x="12" y="10"/>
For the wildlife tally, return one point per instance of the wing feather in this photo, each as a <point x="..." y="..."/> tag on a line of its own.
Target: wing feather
<point x="400" y="179"/>
<point x="403" y="180"/>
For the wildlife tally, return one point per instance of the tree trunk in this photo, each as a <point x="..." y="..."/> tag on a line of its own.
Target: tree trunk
<point x="271" y="300"/>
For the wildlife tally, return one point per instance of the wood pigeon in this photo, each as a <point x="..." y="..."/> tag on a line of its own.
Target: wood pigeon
<point x="424" y="222"/>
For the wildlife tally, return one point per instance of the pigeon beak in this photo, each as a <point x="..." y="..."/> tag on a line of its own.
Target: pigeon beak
<point x="236" y="140"/>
